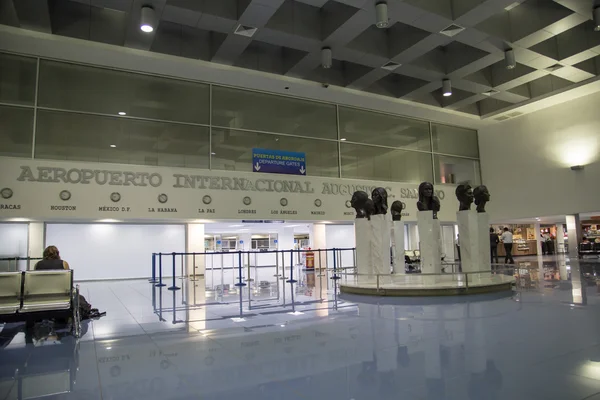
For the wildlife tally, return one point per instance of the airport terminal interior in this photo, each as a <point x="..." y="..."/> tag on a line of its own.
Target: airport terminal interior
<point x="299" y="199"/>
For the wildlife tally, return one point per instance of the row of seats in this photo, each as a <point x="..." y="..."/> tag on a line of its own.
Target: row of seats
<point x="589" y="249"/>
<point x="29" y="292"/>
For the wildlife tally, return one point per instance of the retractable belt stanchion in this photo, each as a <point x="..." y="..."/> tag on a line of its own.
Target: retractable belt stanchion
<point x="153" y="279"/>
<point x="193" y="278"/>
<point x="160" y="283"/>
<point x="173" y="287"/>
<point x="334" y="266"/>
<point x="240" y="283"/>
<point x="182" y="277"/>
<point x="291" y="280"/>
<point x="277" y="274"/>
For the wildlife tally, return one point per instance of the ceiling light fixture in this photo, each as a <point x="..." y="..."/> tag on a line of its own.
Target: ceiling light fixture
<point x="343" y="139"/>
<point x="213" y="154"/>
<point x="122" y="113"/>
<point x="147" y="19"/>
<point x="509" y="57"/>
<point x="577" y="167"/>
<point x="597" y="19"/>
<point x="326" y="57"/>
<point x="446" y="88"/>
<point x="113" y="145"/>
<point x="381" y="11"/>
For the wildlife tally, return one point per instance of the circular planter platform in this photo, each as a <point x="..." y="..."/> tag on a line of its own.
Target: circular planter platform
<point x="412" y="287"/>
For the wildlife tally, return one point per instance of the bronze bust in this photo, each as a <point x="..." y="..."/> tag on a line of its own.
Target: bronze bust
<point x="379" y="196"/>
<point x="482" y="196"/>
<point x="464" y="194"/>
<point x="396" y="209"/>
<point x="362" y="204"/>
<point x="427" y="200"/>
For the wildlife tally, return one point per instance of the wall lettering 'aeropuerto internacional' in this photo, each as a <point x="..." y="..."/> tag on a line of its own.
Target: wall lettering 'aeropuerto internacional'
<point x="182" y="181"/>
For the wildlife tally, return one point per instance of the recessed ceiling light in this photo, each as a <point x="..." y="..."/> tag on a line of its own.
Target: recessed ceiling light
<point x="108" y="348"/>
<point x="113" y="145"/>
<point x="213" y="154"/>
<point x="343" y="139"/>
<point x="122" y="113"/>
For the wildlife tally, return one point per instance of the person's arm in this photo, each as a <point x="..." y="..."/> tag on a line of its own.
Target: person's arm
<point x="66" y="265"/>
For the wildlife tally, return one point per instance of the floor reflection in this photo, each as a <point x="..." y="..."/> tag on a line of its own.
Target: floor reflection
<point x="273" y="339"/>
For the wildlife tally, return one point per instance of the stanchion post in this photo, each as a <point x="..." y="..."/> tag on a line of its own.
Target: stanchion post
<point x="291" y="280"/>
<point x="282" y="265"/>
<point x="173" y="287"/>
<point x="277" y="275"/>
<point x="160" y="283"/>
<point x="193" y="267"/>
<point x="249" y="279"/>
<point x="335" y="276"/>
<point x="153" y="279"/>
<point x="240" y="283"/>
<point x="182" y="277"/>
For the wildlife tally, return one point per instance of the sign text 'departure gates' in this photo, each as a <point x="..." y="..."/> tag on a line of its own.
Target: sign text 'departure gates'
<point x="183" y="181"/>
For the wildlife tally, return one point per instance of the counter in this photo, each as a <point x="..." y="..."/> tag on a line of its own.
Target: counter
<point x="520" y="248"/>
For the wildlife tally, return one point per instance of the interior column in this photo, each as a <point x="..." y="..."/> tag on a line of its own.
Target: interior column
<point x="318" y="241"/>
<point x="195" y="244"/>
<point x="574" y="234"/>
<point x="35" y="242"/>
<point x="560" y="238"/>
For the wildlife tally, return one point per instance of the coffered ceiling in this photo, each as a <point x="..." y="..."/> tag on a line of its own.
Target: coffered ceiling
<point x="554" y="42"/>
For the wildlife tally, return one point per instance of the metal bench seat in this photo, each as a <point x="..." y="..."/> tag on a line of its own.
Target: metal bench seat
<point x="47" y="290"/>
<point x="10" y="292"/>
<point x="34" y="295"/>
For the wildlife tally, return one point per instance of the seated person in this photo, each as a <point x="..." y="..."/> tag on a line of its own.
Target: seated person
<point x="51" y="260"/>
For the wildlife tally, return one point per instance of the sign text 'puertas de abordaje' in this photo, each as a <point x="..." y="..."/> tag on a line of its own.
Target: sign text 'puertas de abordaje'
<point x="278" y="162"/>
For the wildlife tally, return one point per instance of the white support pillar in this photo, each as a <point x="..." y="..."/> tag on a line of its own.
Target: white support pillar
<point x="538" y="238"/>
<point x="36" y="237"/>
<point x="285" y="239"/>
<point x="560" y="238"/>
<point x="574" y="234"/>
<point x="195" y="244"/>
<point x="318" y="241"/>
<point x="413" y="237"/>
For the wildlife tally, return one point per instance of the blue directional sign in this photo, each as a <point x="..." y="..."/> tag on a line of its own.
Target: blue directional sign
<point x="278" y="162"/>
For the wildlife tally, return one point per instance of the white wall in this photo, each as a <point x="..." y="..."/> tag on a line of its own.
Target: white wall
<point x="340" y="237"/>
<point x="13" y="243"/>
<point x="36" y="237"/>
<point x="113" y="251"/>
<point x="525" y="161"/>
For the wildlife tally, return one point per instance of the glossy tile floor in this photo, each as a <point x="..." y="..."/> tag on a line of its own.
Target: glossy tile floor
<point x="306" y="342"/>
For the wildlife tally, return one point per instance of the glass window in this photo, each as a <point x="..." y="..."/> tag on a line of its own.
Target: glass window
<point x="16" y="131"/>
<point x="17" y="79"/>
<point x="453" y="140"/>
<point x="234" y="108"/>
<point x="380" y="163"/>
<point x="232" y="150"/>
<point x="104" y="91"/>
<point x="455" y="170"/>
<point x="383" y="129"/>
<point x="71" y="136"/>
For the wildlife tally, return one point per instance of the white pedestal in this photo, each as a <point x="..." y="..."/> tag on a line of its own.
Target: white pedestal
<point x="380" y="244"/>
<point x="363" y="234"/>
<point x="398" y="246"/>
<point x="474" y="231"/>
<point x="485" y="253"/>
<point x="429" y="235"/>
<point x="468" y="231"/>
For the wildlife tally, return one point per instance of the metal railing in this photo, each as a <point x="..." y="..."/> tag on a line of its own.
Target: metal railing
<point x="16" y="260"/>
<point x="341" y="259"/>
